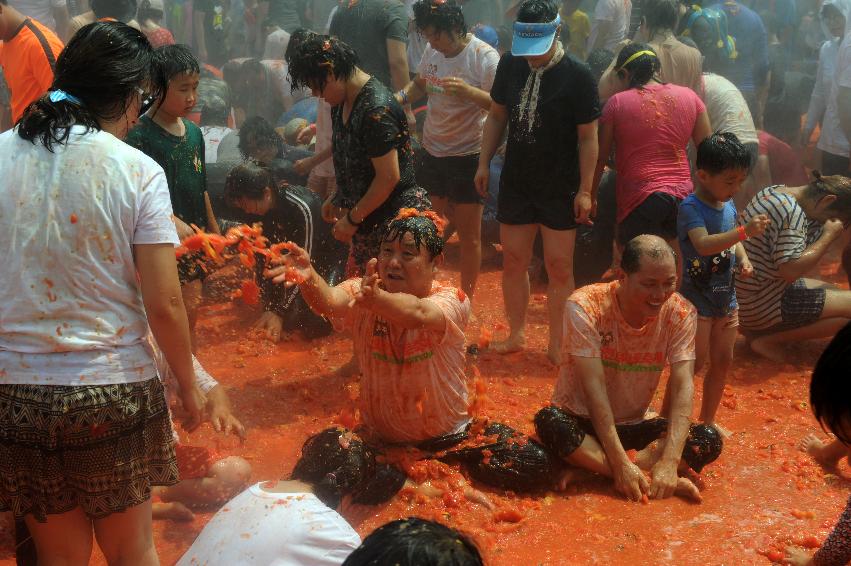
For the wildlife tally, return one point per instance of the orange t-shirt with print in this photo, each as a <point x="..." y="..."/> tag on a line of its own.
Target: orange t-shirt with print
<point x="633" y="358"/>
<point x="28" y="61"/>
<point x="413" y="384"/>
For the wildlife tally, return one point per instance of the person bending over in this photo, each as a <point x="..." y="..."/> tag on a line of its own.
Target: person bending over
<point x="779" y="305"/>
<point x="408" y="333"/>
<point x="620" y="337"/>
<point x="829" y="392"/>
<point x="288" y="213"/>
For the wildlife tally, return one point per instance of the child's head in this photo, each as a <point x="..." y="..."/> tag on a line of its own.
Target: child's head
<point x="250" y="187"/>
<point x="258" y="140"/>
<point x="180" y="69"/>
<point x="830" y="388"/>
<point x="215" y="112"/>
<point x="410" y="252"/>
<point x="337" y="463"/>
<point x="415" y="541"/>
<point x="119" y="10"/>
<point x="324" y="65"/>
<point x="296" y="39"/>
<point x="636" y="65"/>
<point x="441" y="22"/>
<point x="293" y="130"/>
<point x="829" y="198"/>
<point x="659" y="16"/>
<point x="723" y="164"/>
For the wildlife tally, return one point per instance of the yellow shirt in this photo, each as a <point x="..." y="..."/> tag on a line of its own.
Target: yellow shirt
<point x="580" y="28"/>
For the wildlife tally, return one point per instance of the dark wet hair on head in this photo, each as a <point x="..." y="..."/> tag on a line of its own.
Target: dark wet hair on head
<point x="599" y="60"/>
<point x="247" y="181"/>
<point x="257" y="131"/>
<point x="296" y="39"/>
<point x="537" y="11"/>
<point x="642" y="69"/>
<point x="442" y="15"/>
<point x="174" y="60"/>
<point x="146" y="12"/>
<point x="121" y="10"/>
<point x="660" y="15"/>
<point x="830" y="387"/>
<point x="318" y="57"/>
<point x="214" y="112"/>
<point x="104" y="65"/>
<point x="415" y="542"/>
<point x="425" y="227"/>
<point x="641" y="246"/>
<point x="835" y="185"/>
<point x="722" y="151"/>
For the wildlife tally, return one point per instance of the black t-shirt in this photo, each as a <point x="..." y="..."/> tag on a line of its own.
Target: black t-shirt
<point x="365" y="26"/>
<point x="377" y="125"/>
<point x="544" y="159"/>
<point x="215" y="29"/>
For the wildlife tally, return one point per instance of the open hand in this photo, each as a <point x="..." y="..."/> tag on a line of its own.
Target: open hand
<point x="630" y="481"/>
<point x="194" y="403"/>
<point x="221" y="413"/>
<point x="293" y="268"/>
<point x="370" y="285"/>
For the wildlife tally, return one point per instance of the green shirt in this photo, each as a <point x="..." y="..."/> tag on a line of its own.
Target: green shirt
<point x="182" y="159"/>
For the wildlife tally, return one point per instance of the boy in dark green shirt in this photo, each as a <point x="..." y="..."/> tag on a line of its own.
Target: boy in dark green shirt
<point x="178" y="146"/>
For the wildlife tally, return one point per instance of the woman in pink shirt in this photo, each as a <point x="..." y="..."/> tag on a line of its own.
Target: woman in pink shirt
<point x="650" y="124"/>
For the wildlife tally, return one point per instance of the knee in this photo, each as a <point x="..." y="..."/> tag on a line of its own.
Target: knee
<point x="515" y="261"/>
<point x="515" y="462"/>
<point x="559" y="269"/>
<point x="558" y="431"/>
<point x="232" y="473"/>
<point x="703" y="446"/>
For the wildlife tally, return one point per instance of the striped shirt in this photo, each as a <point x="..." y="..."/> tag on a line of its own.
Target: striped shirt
<point x="786" y="238"/>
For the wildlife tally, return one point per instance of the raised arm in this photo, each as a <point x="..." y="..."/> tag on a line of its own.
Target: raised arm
<point x="297" y="269"/>
<point x="796" y="268"/>
<point x="710" y="244"/>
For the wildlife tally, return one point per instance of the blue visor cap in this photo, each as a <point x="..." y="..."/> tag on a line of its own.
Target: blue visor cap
<point x="531" y="40"/>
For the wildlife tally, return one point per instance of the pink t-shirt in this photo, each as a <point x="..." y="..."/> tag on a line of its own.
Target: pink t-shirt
<point x="652" y="128"/>
<point x="633" y="358"/>
<point x="413" y="383"/>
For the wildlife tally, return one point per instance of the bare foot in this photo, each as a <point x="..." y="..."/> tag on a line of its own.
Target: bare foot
<point x="648" y="456"/>
<point x="554" y="354"/>
<point x="510" y="345"/>
<point x="476" y="496"/>
<point x="820" y="452"/>
<point x="570" y="476"/>
<point x="174" y="511"/>
<point x="768" y="349"/>
<point x="687" y="490"/>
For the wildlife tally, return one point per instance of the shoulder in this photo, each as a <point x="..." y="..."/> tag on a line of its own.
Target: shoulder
<point x="192" y="129"/>
<point x="678" y="309"/>
<point x="121" y="155"/>
<point x="594" y="298"/>
<point x="305" y="199"/>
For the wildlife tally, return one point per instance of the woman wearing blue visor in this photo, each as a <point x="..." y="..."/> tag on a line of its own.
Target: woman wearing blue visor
<point x="549" y="102"/>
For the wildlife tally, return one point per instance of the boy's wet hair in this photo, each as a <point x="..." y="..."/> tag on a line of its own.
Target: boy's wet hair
<point x="247" y="180"/>
<point x="318" y="57"/>
<point x="722" y="151"/>
<point x="103" y="66"/>
<point x="599" y="60"/>
<point x="426" y="228"/>
<point x="537" y="11"/>
<point x="174" y="60"/>
<point x="335" y="463"/>
<point x="835" y="185"/>
<point x="660" y="14"/>
<point x="259" y="131"/>
<point x="414" y="542"/>
<point x="442" y="15"/>
<point x="642" y="246"/>
<point x="830" y="388"/>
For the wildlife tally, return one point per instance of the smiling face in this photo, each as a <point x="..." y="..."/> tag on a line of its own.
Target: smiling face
<point x="405" y="268"/>
<point x="833" y="20"/>
<point x="644" y="293"/>
<point x="182" y="94"/>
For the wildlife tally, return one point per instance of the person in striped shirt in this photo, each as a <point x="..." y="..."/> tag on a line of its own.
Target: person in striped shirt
<point x="779" y="304"/>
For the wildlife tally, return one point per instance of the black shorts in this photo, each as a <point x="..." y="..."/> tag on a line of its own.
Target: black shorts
<point x="516" y="207"/>
<point x="449" y="177"/>
<point x="563" y="433"/>
<point x="832" y="164"/>
<point x="657" y="215"/>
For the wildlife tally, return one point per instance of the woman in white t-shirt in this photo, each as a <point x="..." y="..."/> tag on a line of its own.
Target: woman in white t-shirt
<point x="88" y="263"/>
<point x="456" y="72"/>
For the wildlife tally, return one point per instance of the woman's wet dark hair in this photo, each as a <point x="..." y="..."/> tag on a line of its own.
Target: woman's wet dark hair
<point x="316" y="58"/>
<point x="537" y="11"/>
<point x="335" y="462"/>
<point x="247" y="180"/>
<point x="174" y="60"/>
<point x="146" y="12"/>
<point x="415" y="542"/>
<point x="423" y="227"/>
<point x="722" y="151"/>
<point x="104" y="65"/>
<point x="296" y="39"/>
<point x="830" y="388"/>
<point x="121" y="10"/>
<point x="256" y="130"/>
<point x="660" y="15"/>
<point x="835" y="185"/>
<point x="445" y="16"/>
<point x="642" y="69"/>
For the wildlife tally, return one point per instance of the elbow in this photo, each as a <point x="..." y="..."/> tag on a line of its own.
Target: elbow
<point x="787" y="273"/>
<point x="166" y="310"/>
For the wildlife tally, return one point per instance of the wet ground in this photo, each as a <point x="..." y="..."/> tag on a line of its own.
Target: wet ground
<point x="760" y="495"/>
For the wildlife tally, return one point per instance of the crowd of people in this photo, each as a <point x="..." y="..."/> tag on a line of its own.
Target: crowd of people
<point x="338" y="146"/>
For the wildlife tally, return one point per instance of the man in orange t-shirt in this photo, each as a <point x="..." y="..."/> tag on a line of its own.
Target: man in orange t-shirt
<point x="28" y="57"/>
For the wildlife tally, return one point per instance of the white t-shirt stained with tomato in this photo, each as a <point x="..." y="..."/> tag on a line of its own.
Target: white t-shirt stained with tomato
<point x="413" y="384"/>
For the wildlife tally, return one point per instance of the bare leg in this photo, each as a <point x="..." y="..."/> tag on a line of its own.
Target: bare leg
<point x="517" y="244"/>
<point x="126" y="538"/>
<point x="701" y="343"/>
<point x="720" y="359"/>
<point x="468" y="220"/>
<point x="226" y="478"/>
<point x="173" y="511"/>
<point x="558" y="256"/>
<point x="827" y="455"/>
<point x="64" y="540"/>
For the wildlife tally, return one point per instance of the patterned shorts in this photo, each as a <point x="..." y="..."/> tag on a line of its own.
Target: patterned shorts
<point x="800" y="306"/>
<point x="100" y="448"/>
